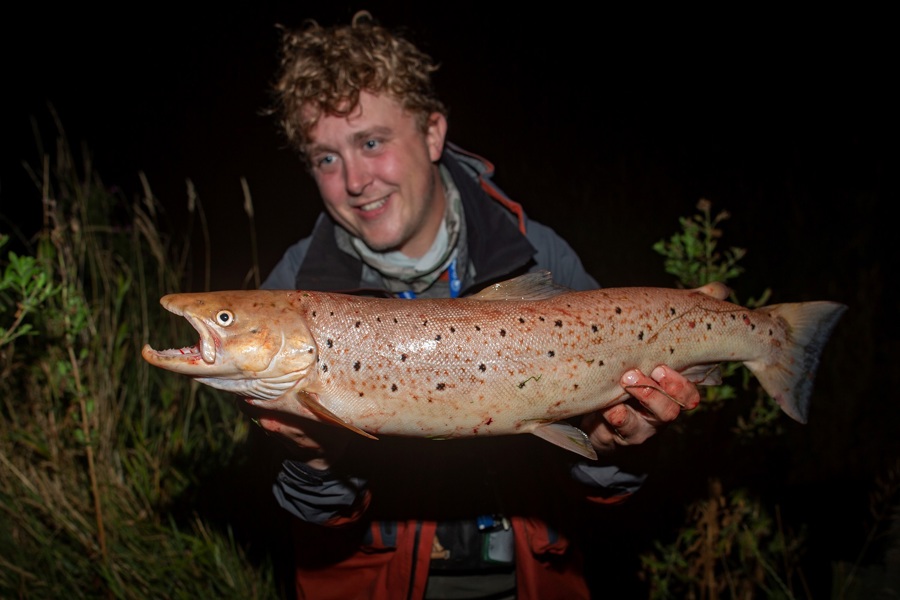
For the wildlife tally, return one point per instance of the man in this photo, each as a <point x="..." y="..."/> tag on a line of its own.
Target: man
<point x="408" y="214"/>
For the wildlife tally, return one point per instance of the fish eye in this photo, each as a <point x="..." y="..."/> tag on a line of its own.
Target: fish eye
<point x="224" y="318"/>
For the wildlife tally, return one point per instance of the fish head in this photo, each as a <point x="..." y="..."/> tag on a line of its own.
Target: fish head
<point x="252" y="343"/>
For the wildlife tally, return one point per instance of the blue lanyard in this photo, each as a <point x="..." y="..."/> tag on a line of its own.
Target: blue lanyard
<point x="455" y="283"/>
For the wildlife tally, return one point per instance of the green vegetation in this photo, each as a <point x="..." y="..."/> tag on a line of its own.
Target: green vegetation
<point x="98" y="452"/>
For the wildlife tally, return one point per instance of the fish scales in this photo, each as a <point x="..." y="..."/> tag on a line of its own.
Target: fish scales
<point x="521" y="357"/>
<point x="450" y="369"/>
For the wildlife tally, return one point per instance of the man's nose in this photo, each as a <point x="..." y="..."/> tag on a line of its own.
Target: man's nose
<point x="356" y="176"/>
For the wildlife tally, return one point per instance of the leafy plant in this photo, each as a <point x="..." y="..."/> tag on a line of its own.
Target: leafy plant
<point x="730" y="547"/>
<point x="691" y="255"/>
<point x="96" y="449"/>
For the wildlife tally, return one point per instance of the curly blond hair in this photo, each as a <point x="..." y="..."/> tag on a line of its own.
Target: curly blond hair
<point x="323" y="70"/>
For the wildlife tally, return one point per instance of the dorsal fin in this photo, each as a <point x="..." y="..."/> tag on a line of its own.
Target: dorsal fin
<point x="531" y="286"/>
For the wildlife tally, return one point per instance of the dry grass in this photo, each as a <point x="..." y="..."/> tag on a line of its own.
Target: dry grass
<point x="95" y="447"/>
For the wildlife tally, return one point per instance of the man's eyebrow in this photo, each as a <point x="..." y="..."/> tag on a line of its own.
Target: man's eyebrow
<point x="357" y="137"/>
<point x="367" y="134"/>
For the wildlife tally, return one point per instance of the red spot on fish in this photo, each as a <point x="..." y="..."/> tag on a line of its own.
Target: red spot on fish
<point x="692" y="324"/>
<point x="489" y="421"/>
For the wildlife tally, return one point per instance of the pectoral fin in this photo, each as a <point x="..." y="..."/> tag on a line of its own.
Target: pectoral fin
<point x="311" y="402"/>
<point x="567" y="436"/>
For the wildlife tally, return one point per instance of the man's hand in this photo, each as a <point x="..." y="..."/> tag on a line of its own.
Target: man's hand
<point x="318" y="444"/>
<point x="657" y="400"/>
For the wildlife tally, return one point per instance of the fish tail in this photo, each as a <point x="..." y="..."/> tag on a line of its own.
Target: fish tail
<point x="787" y="375"/>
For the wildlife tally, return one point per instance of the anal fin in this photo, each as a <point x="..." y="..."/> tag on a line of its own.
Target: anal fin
<point x="568" y="437"/>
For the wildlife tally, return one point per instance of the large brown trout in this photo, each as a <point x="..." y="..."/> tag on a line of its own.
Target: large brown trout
<point x="519" y="357"/>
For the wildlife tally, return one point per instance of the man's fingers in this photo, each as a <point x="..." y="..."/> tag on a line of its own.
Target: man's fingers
<point x="628" y="425"/>
<point x="664" y="395"/>
<point x="677" y="386"/>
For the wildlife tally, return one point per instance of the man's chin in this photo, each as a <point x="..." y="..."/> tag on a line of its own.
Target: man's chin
<point x="381" y="245"/>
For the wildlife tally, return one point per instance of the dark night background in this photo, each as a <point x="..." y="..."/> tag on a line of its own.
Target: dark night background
<point x="606" y="126"/>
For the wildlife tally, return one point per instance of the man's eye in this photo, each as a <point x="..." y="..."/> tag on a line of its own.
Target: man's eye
<point x="325" y="162"/>
<point x="372" y="144"/>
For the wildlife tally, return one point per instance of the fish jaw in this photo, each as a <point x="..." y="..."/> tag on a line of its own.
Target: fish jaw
<point x="259" y="356"/>
<point x="199" y="359"/>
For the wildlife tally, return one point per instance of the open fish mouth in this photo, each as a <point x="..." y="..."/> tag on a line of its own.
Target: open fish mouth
<point x="188" y="358"/>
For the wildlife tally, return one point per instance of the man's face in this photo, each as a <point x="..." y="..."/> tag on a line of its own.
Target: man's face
<point x="377" y="173"/>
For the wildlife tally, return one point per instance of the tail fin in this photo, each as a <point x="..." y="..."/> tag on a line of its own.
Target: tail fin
<point x="790" y="380"/>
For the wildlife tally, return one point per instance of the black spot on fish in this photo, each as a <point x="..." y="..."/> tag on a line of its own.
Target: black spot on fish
<point x="360" y="394"/>
<point x="708" y="326"/>
<point x="324" y="368"/>
<point x="551" y="353"/>
<point x="558" y="323"/>
<point x="378" y="319"/>
<point x="310" y="351"/>
<point x="641" y="336"/>
<point x="452" y="329"/>
<point x="672" y="311"/>
<point x="356" y="366"/>
<point x="600" y="363"/>
<point x="403" y="357"/>
<point x="771" y="332"/>
<point x="314" y="313"/>
<point x="671" y="350"/>
<point x="753" y="327"/>
<point x="477" y="328"/>
<point x="440" y="386"/>
<point x="437" y="338"/>
<point x="395" y="319"/>
<point x="521" y="320"/>
<point x="502" y="333"/>
<point x="357" y="323"/>
<point x="482" y="367"/>
<point x="575" y="387"/>
<point x="594" y="328"/>
<point x="393" y="387"/>
<point x="331" y="314"/>
<point x="618" y="311"/>
<point x="329" y="343"/>
<point x="541" y="319"/>
<point x="425" y="323"/>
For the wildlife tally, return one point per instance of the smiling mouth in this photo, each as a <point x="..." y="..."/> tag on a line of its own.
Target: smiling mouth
<point x="373" y="205"/>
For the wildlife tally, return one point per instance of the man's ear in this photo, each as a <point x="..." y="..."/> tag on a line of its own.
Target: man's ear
<point x="435" y="134"/>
